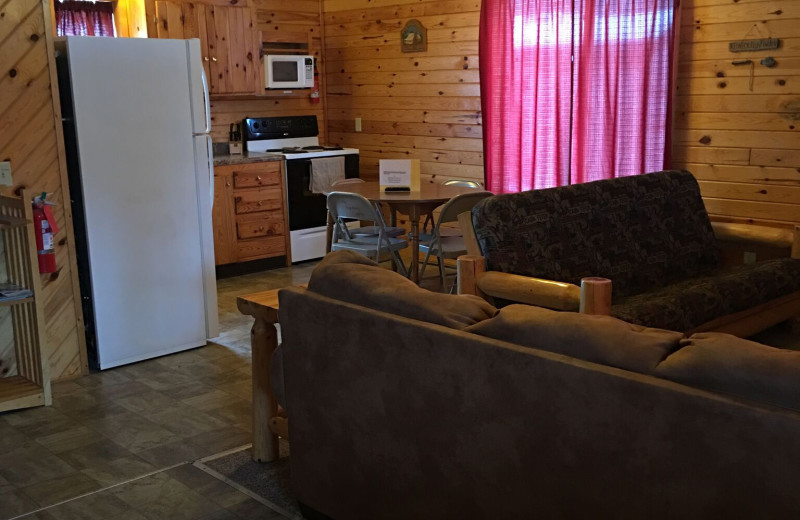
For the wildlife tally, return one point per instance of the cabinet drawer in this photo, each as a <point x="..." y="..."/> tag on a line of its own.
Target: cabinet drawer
<point x="252" y="225"/>
<point x="265" y="199"/>
<point x="255" y="248"/>
<point x="265" y="174"/>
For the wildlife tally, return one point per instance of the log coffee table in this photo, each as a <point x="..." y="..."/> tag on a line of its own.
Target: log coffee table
<point x="267" y="425"/>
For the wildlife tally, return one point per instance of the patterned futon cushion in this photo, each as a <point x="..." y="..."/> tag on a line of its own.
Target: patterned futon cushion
<point x="643" y="231"/>
<point x="688" y="304"/>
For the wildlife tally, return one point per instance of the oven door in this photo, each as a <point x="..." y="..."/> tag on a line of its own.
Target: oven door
<point x="309" y="210"/>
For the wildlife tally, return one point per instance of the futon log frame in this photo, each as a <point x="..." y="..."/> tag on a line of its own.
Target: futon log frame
<point x="594" y="294"/>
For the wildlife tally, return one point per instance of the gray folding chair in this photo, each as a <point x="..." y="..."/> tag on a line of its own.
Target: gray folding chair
<point x="449" y="246"/>
<point x="368" y="231"/>
<point x="429" y="217"/>
<point x="343" y="205"/>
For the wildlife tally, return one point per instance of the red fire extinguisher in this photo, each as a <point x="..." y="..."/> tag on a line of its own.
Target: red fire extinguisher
<point x="314" y="96"/>
<point x="45" y="228"/>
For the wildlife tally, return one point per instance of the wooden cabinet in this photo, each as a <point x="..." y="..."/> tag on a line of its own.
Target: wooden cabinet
<point x="229" y="42"/>
<point x="250" y="213"/>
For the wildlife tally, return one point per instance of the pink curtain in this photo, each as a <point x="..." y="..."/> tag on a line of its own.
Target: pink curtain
<point x="621" y="91"/>
<point x="525" y="49"/>
<point x="82" y="18"/>
<point x="551" y="121"/>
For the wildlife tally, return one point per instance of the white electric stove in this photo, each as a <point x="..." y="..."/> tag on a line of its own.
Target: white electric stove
<point x="296" y="138"/>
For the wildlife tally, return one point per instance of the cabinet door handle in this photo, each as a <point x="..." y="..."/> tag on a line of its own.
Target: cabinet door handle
<point x="261" y="228"/>
<point x="206" y="58"/>
<point x="213" y="59"/>
<point x="259" y="203"/>
<point x="227" y="184"/>
<point x="258" y="177"/>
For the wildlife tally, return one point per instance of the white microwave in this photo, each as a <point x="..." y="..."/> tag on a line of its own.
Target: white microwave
<point x="288" y="72"/>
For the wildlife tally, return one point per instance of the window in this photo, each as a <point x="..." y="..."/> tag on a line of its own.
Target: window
<point x="84" y="18"/>
<point x="574" y="90"/>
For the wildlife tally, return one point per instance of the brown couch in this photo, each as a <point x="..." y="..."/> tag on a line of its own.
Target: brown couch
<point x="404" y="404"/>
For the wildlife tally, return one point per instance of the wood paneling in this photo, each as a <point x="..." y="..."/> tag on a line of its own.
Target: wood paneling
<point x="419" y="105"/>
<point x="30" y="137"/>
<point x="737" y="128"/>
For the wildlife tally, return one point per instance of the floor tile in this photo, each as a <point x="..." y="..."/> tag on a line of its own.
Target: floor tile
<point x="68" y="439"/>
<point x="210" y="400"/>
<point x="220" y="440"/>
<point x="102" y="450"/>
<point x="147" y="401"/>
<point x="53" y="491"/>
<point x="173" y="453"/>
<point x="111" y="472"/>
<point x="98" y="506"/>
<point x="132" y="431"/>
<point x="14" y="502"/>
<point x="252" y="508"/>
<point x="32" y="465"/>
<point x="239" y="413"/>
<point x="160" y="497"/>
<point x="37" y="422"/>
<point x="210" y="487"/>
<point x="185" y="421"/>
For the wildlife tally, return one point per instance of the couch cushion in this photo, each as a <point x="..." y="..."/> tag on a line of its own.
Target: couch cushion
<point x="353" y="278"/>
<point x="641" y="231"/>
<point x="688" y="304"/>
<point x="601" y="339"/>
<point x="736" y="366"/>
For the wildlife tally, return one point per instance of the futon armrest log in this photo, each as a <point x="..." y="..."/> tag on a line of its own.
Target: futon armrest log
<point x="780" y="238"/>
<point x="592" y="297"/>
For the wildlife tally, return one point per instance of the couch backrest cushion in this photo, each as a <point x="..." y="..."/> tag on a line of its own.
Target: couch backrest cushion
<point x="641" y="231"/>
<point x="736" y="366"/>
<point x="600" y="339"/>
<point x="353" y="278"/>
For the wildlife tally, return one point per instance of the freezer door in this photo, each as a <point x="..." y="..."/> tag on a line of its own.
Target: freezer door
<point x="139" y="181"/>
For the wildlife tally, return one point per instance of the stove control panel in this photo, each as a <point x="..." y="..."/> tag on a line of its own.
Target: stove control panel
<point x="263" y="128"/>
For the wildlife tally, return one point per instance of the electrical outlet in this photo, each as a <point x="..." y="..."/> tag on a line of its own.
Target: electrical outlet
<point x="358" y="124"/>
<point x="5" y="173"/>
<point x="749" y="257"/>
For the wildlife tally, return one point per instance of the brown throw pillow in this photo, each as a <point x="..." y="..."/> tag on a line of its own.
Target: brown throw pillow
<point x="600" y="339"/>
<point x="353" y="278"/>
<point x="736" y="366"/>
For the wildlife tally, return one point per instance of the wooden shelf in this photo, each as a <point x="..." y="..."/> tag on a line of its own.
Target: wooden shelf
<point x="18" y="301"/>
<point x="18" y="392"/>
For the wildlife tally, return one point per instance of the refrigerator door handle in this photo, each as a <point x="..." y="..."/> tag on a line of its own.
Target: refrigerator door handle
<point x="209" y="147"/>
<point x="206" y="99"/>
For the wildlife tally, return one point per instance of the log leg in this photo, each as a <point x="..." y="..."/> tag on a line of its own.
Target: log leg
<point x="264" y="341"/>
<point x="595" y="296"/>
<point x="470" y="267"/>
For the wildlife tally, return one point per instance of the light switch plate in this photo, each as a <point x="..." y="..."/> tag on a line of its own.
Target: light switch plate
<point x="358" y="124"/>
<point x="5" y="173"/>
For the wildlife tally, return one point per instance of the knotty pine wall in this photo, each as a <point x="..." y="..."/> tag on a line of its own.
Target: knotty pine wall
<point x="742" y="143"/>
<point x="423" y="105"/>
<point x="31" y="138"/>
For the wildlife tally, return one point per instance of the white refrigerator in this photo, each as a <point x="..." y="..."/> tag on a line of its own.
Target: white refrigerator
<point x="136" y="127"/>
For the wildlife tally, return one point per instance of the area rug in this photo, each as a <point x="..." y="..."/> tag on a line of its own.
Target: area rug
<point x="268" y="480"/>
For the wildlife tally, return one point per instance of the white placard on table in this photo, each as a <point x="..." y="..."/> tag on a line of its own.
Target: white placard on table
<point x="399" y="173"/>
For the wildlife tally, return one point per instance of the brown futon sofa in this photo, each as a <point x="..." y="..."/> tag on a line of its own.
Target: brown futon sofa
<point x="405" y="404"/>
<point x="651" y="236"/>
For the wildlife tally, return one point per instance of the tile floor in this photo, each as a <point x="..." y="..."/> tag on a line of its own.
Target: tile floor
<point x="120" y="444"/>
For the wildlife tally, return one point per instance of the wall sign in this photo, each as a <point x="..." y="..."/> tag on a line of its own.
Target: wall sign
<point x="754" y="45"/>
<point x="414" y="37"/>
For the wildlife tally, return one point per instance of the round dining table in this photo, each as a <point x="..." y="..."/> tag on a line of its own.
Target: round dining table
<point x="415" y="204"/>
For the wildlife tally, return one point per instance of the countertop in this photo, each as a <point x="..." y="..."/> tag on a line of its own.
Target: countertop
<point x="254" y="157"/>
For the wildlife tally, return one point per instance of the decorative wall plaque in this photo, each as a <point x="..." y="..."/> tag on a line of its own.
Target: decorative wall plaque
<point x="765" y="44"/>
<point x="414" y="37"/>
